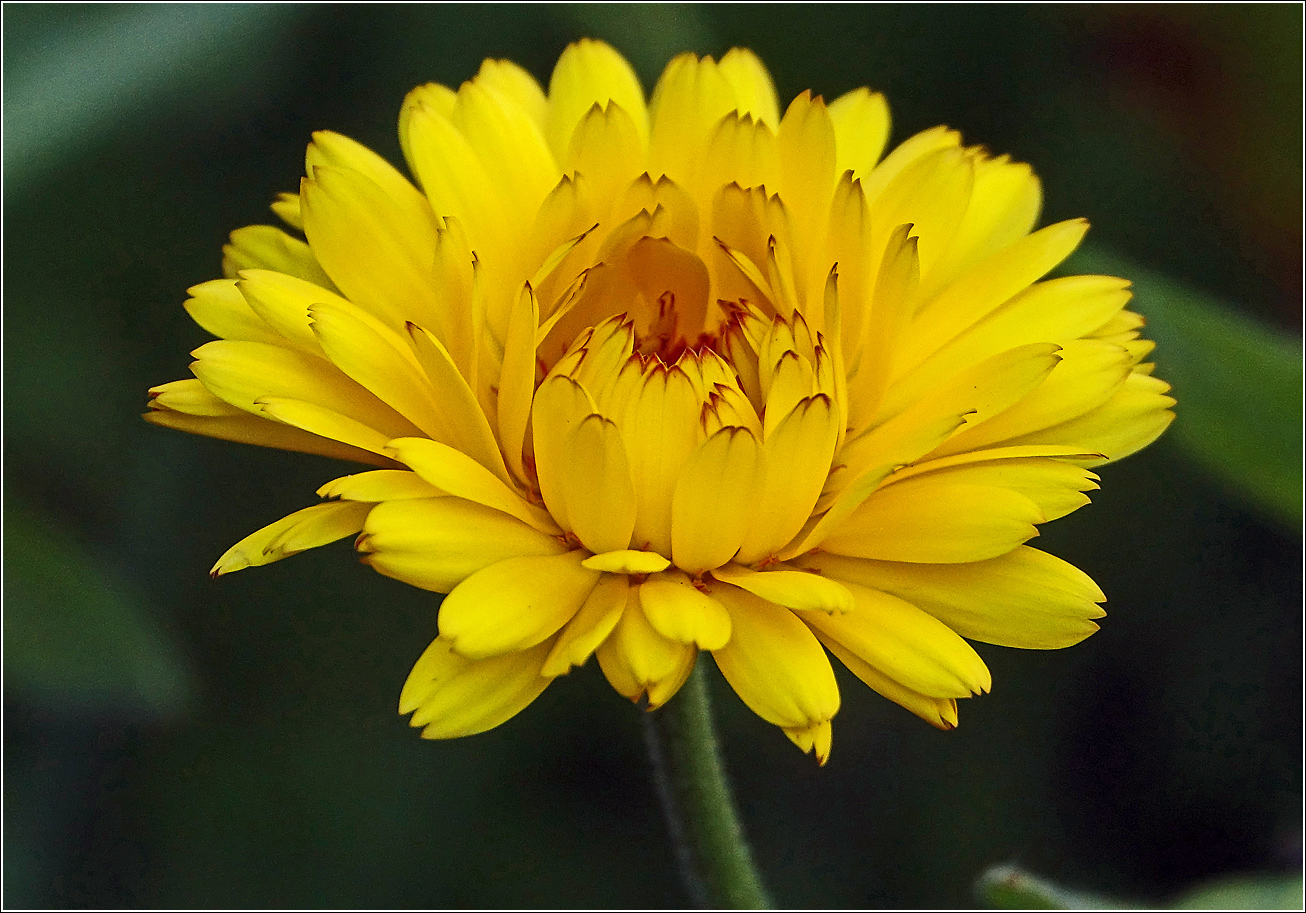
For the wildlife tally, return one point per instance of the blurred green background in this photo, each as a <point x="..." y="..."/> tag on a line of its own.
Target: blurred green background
<point x="174" y="741"/>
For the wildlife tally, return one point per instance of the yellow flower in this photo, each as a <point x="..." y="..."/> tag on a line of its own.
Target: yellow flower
<point x="645" y="380"/>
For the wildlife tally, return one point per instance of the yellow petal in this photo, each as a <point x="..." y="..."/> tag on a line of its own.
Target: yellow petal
<point x="454" y="696"/>
<point x="597" y="487"/>
<point x="247" y="428"/>
<point x="515" y="604"/>
<point x="774" y="663"/>
<point x="379" y="485"/>
<point x="437" y="543"/>
<point x="464" y="424"/>
<point x="987" y="285"/>
<point x="935" y="520"/>
<point x="1026" y="598"/>
<point x="1126" y="423"/>
<point x="1057" y="311"/>
<point x="1004" y="207"/>
<point x="639" y="662"/>
<point x="972" y="395"/>
<point x="797" y="463"/>
<point x="266" y="247"/>
<point x="680" y="612"/>
<point x="932" y="194"/>
<point x="323" y="421"/>
<point x="627" y="561"/>
<point x="906" y="644"/>
<point x="891" y="306"/>
<point x="517" y="380"/>
<point x="509" y="144"/>
<point x="243" y="372"/>
<point x="283" y="301"/>
<point x="560" y="406"/>
<point x="451" y="173"/>
<point x="1088" y="374"/>
<point x="660" y="431"/>
<point x="588" y="73"/>
<point x="192" y="398"/>
<point x="806" y="142"/>
<point x="815" y="738"/>
<point x="219" y="307"/>
<point x="302" y="530"/>
<point x="754" y="90"/>
<point x="378" y="358"/>
<point x="905" y="155"/>
<point x="377" y="251"/>
<point x="861" y="130"/>
<point x="937" y="711"/>
<point x="789" y="588"/>
<point x="515" y="84"/>
<point x="286" y="206"/>
<point x="457" y="474"/>
<point x="714" y="500"/>
<point x="591" y="625"/>
<point x="1055" y="486"/>
<point x="690" y="97"/>
<point x="333" y="150"/>
<point x="741" y="151"/>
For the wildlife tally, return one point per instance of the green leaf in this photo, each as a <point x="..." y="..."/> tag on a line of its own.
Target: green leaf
<point x="1266" y="892"/>
<point x="1238" y="384"/>
<point x="1007" y="887"/>
<point x="76" y="637"/>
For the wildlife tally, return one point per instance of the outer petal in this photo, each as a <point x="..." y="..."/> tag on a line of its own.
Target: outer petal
<point x="219" y="307"/>
<point x="1026" y="598"/>
<point x="1126" y="423"/>
<point x="935" y="520"/>
<point x="437" y="543"/>
<point x="638" y="661"/>
<point x="939" y="712"/>
<point x="754" y="90"/>
<point x="188" y="406"/>
<point x="597" y="487"/>
<point x="715" y="499"/>
<point x="243" y="372"/>
<point x="861" y="130"/>
<point x="515" y="604"/>
<point x="590" y="626"/>
<point x="376" y="250"/>
<point x="797" y="463"/>
<point x="680" y="612"/>
<point x="775" y="664"/>
<point x="379" y="485"/>
<point x="987" y="285"/>
<point x="590" y="72"/>
<point x="455" y="473"/>
<point x="1055" y="486"/>
<point x="266" y="247"/>
<point x="455" y="696"/>
<point x="302" y="530"/>
<point x="908" y="645"/>
<point x="789" y="588"/>
<point x="283" y="301"/>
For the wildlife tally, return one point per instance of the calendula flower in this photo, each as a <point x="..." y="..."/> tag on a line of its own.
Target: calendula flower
<point x="644" y="380"/>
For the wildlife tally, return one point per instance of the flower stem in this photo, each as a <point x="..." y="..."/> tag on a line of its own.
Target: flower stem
<point x="715" y="860"/>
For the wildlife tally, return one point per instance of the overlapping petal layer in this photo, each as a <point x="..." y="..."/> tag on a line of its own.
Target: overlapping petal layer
<point x="692" y="374"/>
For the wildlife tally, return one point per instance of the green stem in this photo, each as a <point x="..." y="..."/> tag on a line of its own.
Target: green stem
<point x="714" y="857"/>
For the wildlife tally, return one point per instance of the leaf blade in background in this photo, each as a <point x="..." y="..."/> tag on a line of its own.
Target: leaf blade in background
<point x="77" y="638"/>
<point x="1009" y="887"/>
<point x="1252" y="892"/>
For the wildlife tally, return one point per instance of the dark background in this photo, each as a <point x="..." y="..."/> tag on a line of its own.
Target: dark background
<point x="175" y="741"/>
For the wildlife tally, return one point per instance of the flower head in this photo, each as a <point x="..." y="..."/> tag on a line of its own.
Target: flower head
<point x="645" y="380"/>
